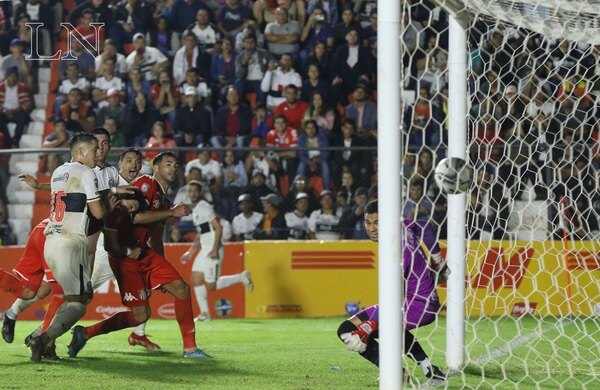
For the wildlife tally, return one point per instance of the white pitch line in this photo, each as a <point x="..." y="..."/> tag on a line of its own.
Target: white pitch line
<point x="498" y="352"/>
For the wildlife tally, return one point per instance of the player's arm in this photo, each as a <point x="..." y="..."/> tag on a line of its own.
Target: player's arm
<point x="33" y="183"/>
<point x="190" y="252"/>
<point x="148" y="217"/>
<point x="214" y="253"/>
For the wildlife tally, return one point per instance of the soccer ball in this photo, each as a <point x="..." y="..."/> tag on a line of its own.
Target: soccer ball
<point x="453" y="175"/>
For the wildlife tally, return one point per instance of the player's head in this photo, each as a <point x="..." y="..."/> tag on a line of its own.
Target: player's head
<point x="84" y="147"/>
<point x="130" y="163"/>
<point x="372" y="220"/>
<point x="194" y="191"/>
<point x="164" y="167"/>
<point x="103" y="137"/>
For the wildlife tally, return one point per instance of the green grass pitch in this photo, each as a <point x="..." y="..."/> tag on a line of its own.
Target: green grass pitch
<point x="306" y="354"/>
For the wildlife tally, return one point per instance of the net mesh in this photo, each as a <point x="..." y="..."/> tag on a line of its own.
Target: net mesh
<point x="533" y="212"/>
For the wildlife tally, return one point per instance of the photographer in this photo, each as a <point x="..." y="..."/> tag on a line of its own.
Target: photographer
<point x="315" y="30"/>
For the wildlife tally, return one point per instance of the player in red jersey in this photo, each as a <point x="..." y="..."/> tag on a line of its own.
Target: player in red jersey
<point x="26" y="280"/>
<point x="140" y="268"/>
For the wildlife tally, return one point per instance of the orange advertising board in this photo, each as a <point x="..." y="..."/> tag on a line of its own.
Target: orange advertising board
<point x="226" y="303"/>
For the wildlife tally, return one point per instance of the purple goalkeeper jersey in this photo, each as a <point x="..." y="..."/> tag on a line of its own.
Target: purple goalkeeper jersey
<point x="418" y="278"/>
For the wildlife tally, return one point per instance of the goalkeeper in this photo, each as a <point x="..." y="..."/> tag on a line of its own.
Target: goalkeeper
<point x="421" y="301"/>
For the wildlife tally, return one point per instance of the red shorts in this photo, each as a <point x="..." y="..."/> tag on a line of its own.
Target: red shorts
<point x="137" y="277"/>
<point x="31" y="266"/>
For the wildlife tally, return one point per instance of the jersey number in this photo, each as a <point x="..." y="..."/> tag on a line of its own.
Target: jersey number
<point x="57" y="206"/>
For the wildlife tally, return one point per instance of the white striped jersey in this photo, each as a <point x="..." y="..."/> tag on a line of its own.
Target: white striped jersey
<point x="245" y="227"/>
<point x="324" y="226"/>
<point x="108" y="177"/>
<point x="73" y="186"/>
<point x="297" y="226"/>
<point x="202" y="214"/>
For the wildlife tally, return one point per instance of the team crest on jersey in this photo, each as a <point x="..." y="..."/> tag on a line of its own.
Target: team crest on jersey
<point x="143" y="295"/>
<point x="111" y="182"/>
<point x="145" y="187"/>
<point x="156" y="203"/>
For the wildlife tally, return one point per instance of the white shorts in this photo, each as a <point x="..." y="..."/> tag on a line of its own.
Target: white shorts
<point x="211" y="268"/>
<point x="66" y="255"/>
<point x="102" y="272"/>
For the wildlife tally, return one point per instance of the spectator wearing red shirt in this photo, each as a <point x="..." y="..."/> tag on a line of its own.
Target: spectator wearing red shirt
<point x="88" y="32"/>
<point x="15" y="105"/>
<point x="159" y="139"/>
<point x="292" y="109"/>
<point x="283" y="136"/>
<point x="232" y="122"/>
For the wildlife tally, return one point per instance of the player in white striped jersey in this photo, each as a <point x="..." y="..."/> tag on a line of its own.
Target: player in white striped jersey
<point x="323" y="223"/>
<point x="73" y="191"/>
<point x="297" y="220"/>
<point x="245" y="223"/>
<point x="206" y="270"/>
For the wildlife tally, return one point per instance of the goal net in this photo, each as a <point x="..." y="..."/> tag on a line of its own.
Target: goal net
<point x="533" y="212"/>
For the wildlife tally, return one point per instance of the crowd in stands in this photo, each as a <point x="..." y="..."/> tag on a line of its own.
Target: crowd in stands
<point x="298" y="74"/>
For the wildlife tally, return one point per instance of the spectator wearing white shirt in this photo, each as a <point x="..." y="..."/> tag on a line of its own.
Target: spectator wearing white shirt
<point x="277" y="78"/>
<point x="106" y="82"/>
<point x="323" y="223"/>
<point x="149" y="59"/>
<point x="206" y="33"/>
<point x="211" y="169"/>
<point x="297" y="220"/>
<point x="110" y="51"/>
<point x="73" y="80"/>
<point x="245" y="223"/>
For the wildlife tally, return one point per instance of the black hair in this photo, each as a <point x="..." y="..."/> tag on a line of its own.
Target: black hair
<point x="371" y="207"/>
<point x="130" y="150"/>
<point x="158" y="159"/>
<point x="291" y="86"/>
<point x="81" y="138"/>
<point x="100" y="131"/>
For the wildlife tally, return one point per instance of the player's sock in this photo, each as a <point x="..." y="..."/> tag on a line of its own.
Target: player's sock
<point x="55" y="303"/>
<point x="21" y="304"/>
<point x="229" y="280"/>
<point x="202" y="298"/>
<point x="9" y="283"/>
<point x="140" y="330"/>
<point x="68" y="314"/>
<point x="413" y="349"/>
<point x="118" y="321"/>
<point x="185" y="319"/>
<point x="11" y="314"/>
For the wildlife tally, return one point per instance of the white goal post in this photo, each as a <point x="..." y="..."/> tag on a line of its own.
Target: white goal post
<point x="513" y="87"/>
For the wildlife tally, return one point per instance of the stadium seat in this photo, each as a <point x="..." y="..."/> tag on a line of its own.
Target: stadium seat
<point x="251" y="97"/>
<point x="42" y="197"/>
<point x="127" y="48"/>
<point x="316" y="183"/>
<point x="284" y="185"/>
<point x="70" y="5"/>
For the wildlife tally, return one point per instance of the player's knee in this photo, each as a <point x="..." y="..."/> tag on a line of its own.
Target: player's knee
<point x="141" y="314"/>
<point x="211" y="286"/>
<point x="180" y="289"/>
<point x="43" y="291"/>
<point x="27" y="294"/>
<point x="346" y="327"/>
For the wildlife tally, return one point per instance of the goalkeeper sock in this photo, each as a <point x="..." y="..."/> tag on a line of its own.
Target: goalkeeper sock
<point x="412" y="348"/>
<point x="230" y="280"/>
<point x="140" y="330"/>
<point x="118" y="321"/>
<point x="9" y="283"/>
<point x="21" y="304"/>
<point x="425" y="366"/>
<point x="185" y="319"/>
<point x="55" y="303"/>
<point x="202" y="298"/>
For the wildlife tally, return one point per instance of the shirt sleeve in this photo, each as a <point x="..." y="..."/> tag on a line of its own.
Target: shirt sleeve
<point x="89" y="181"/>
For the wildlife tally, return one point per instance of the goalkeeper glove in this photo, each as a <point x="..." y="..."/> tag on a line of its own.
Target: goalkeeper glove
<point x="353" y="342"/>
<point x="364" y="330"/>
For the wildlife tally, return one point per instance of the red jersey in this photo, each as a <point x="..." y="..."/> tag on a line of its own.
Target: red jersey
<point x="156" y="198"/>
<point x="294" y="115"/>
<point x="289" y="139"/>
